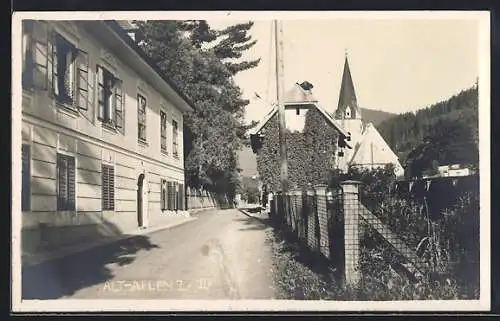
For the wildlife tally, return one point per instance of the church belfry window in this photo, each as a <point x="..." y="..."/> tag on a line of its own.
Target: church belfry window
<point x="348" y="112"/>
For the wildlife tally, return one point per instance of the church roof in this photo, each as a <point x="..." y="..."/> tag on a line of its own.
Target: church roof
<point x="373" y="150"/>
<point x="347" y="96"/>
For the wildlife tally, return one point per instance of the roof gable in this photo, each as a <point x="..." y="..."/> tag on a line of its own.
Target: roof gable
<point x="298" y="96"/>
<point x="373" y="149"/>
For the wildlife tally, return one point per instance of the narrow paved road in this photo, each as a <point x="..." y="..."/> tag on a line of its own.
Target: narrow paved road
<point x="221" y="255"/>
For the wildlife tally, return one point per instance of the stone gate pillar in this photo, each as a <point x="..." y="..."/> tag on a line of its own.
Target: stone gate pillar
<point x="351" y="211"/>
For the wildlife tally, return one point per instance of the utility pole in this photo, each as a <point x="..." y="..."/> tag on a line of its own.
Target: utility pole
<point x="278" y="28"/>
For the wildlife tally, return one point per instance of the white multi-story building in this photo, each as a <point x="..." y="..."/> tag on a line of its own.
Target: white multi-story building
<point x="102" y="135"/>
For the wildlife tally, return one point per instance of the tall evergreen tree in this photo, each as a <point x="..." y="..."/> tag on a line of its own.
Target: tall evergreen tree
<point x="213" y="132"/>
<point x="234" y="40"/>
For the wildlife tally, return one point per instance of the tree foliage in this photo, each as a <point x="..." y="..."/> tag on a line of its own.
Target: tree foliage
<point x="310" y="153"/>
<point x="449" y="142"/>
<point x="215" y="130"/>
<point x="443" y="133"/>
<point x="227" y="44"/>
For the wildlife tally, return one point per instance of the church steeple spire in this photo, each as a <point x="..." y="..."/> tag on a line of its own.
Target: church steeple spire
<point x="347" y="105"/>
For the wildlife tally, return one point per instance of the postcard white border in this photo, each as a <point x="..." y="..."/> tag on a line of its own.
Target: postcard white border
<point x="483" y="18"/>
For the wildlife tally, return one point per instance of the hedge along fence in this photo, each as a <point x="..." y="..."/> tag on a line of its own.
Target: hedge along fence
<point x="337" y="225"/>
<point x="438" y="218"/>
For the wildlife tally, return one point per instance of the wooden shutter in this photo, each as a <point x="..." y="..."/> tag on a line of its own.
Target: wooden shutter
<point x="40" y="54"/>
<point x="100" y="92"/>
<point x="51" y="65"/>
<point x="28" y="58"/>
<point x="108" y="187"/>
<point x="71" y="184"/>
<point x="111" y="187"/>
<point x="62" y="182"/>
<point x="170" y="205"/>
<point x="26" y="178"/>
<point x="119" y="116"/>
<point x="82" y="97"/>
<point x="181" y="197"/>
<point x="105" y="187"/>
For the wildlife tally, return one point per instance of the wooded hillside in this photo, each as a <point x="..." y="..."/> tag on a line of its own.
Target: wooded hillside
<point x="447" y="132"/>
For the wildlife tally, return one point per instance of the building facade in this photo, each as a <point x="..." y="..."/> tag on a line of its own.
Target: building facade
<point x="102" y="135"/>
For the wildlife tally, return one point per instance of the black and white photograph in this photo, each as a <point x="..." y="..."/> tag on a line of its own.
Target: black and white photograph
<point x="251" y="161"/>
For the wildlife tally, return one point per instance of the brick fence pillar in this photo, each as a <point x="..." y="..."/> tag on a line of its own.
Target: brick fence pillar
<point x="351" y="209"/>
<point x="324" y="243"/>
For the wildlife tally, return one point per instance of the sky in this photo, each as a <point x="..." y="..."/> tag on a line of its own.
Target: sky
<point x="397" y="65"/>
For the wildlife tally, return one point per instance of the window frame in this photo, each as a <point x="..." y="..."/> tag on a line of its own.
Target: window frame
<point x="142" y="121"/>
<point x="164" y="131"/>
<point x="163" y="195"/>
<point x="69" y="101"/>
<point x="107" y="110"/>
<point x="175" y="138"/>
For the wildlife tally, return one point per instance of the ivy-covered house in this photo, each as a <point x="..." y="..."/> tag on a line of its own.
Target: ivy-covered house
<point x="311" y="147"/>
<point x="325" y="141"/>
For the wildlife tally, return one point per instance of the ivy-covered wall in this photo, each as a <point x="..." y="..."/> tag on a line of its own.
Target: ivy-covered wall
<point x="311" y="153"/>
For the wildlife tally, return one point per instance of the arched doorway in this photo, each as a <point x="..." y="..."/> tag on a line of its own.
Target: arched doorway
<point x="140" y="200"/>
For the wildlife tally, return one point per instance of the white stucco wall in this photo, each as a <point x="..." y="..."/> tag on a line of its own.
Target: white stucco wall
<point x="49" y="129"/>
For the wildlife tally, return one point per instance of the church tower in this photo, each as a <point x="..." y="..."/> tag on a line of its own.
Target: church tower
<point x="349" y="115"/>
<point x="348" y="111"/>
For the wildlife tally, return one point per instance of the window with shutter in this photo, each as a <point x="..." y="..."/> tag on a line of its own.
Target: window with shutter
<point x="141" y="117"/>
<point x="40" y="54"/>
<point x="110" y="99"/>
<point x="163" y="195"/>
<point x="108" y="187"/>
<point x="83" y="81"/>
<point x="26" y="178"/>
<point x="175" y="152"/>
<point x="65" y="183"/>
<point x="163" y="131"/>
<point x="64" y="54"/>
